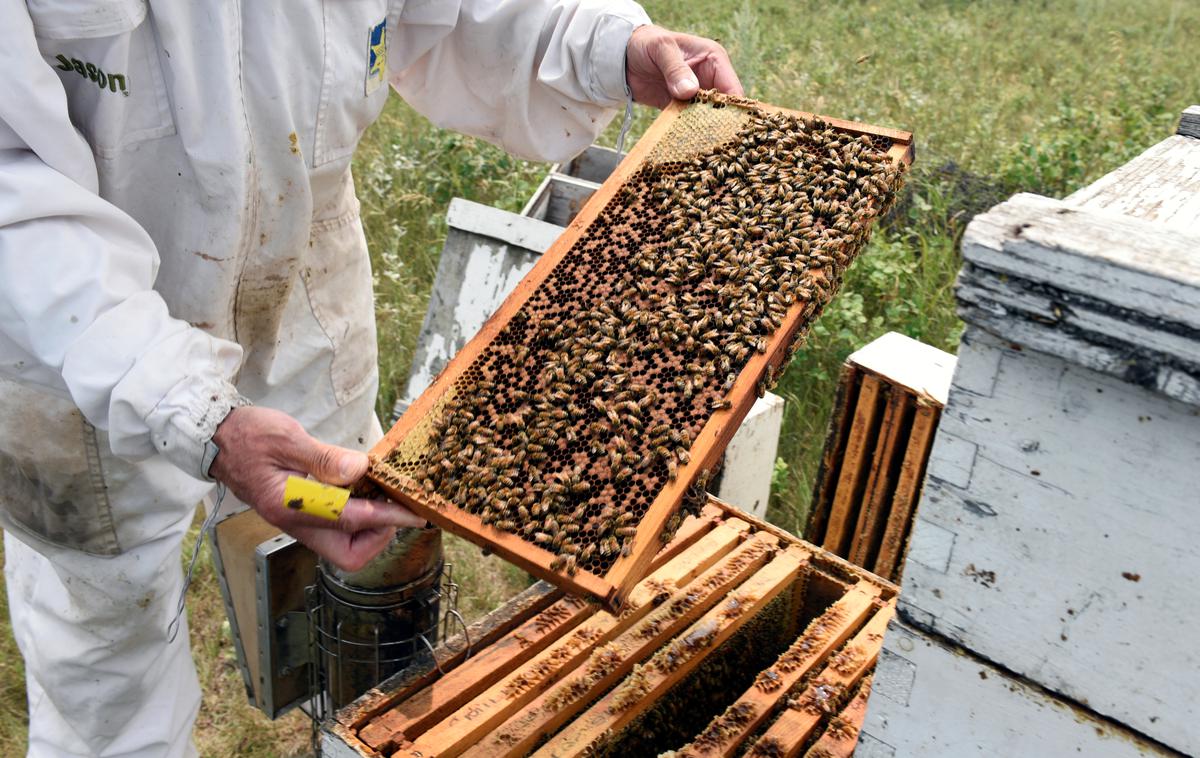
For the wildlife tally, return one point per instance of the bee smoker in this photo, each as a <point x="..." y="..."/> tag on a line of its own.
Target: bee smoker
<point x="368" y="624"/>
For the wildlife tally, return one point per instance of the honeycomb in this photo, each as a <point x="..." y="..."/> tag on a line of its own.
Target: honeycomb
<point x="588" y="401"/>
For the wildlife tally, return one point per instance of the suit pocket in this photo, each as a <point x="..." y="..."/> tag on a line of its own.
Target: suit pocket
<point x="51" y="481"/>
<point x="107" y="56"/>
<point x="354" y="84"/>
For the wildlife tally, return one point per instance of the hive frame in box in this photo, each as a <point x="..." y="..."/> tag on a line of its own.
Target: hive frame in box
<point x="889" y="401"/>
<point x="364" y="727"/>
<point x="611" y="587"/>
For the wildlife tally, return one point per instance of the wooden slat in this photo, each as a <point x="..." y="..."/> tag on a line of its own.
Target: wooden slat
<point x="489" y="708"/>
<point x="853" y="475"/>
<point x="908" y="489"/>
<point x="707" y="447"/>
<point x="841" y="736"/>
<point x="691" y="530"/>
<point x="611" y="662"/>
<point x="649" y="682"/>
<point x="824" y="697"/>
<point x="831" y="456"/>
<point x="428" y="706"/>
<point x="877" y="497"/>
<point x="449" y="693"/>
<point x="727" y="733"/>
<point x="449" y="654"/>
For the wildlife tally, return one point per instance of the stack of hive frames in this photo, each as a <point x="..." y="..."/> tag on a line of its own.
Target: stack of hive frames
<point x="889" y="400"/>
<point x="741" y="632"/>
<point x="565" y="435"/>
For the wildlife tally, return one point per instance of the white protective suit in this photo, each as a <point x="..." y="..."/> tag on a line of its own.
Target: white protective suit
<point x="178" y="230"/>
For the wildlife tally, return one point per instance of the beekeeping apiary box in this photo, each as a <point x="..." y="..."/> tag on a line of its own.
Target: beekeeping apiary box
<point x="568" y="433"/>
<point x="742" y="637"/>
<point x="1056" y="539"/>
<point x="889" y="399"/>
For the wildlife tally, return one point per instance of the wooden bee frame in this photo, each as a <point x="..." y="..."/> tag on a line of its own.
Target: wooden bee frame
<point x="545" y="667"/>
<point x="612" y="585"/>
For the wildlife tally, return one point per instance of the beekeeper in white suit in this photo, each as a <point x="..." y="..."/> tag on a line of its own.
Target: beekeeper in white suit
<point x="185" y="292"/>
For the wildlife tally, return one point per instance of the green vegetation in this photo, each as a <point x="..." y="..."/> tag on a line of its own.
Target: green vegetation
<point x="1021" y="95"/>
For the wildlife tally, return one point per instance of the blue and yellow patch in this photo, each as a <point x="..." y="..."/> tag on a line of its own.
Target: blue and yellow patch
<point x="376" y="56"/>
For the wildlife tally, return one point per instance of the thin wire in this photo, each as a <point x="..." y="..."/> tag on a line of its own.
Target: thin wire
<point x="173" y="627"/>
<point x="628" y="122"/>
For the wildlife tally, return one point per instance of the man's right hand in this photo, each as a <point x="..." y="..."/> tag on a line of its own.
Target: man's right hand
<point x="260" y="448"/>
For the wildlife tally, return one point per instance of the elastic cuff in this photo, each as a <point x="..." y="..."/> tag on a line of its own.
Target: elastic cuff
<point x="609" y="44"/>
<point x="186" y="440"/>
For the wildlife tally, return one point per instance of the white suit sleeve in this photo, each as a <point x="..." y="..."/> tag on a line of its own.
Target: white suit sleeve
<point x="538" y="77"/>
<point x="77" y="276"/>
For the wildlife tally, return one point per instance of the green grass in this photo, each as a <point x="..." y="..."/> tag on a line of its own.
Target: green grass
<point x="1007" y="96"/>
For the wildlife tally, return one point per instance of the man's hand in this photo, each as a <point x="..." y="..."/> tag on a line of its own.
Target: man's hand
<point x="661" y="66"/>
<point x="261" y="447"/>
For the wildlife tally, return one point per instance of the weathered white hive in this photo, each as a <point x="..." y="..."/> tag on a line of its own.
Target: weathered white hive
<point x="1049" y="603"/>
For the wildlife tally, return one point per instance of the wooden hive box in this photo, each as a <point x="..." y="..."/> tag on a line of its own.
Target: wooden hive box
<point x="889" y="401"/>
<point x="789" y="633"/>
<point x="1056" y="541"/>
<point x="565" y="435"/>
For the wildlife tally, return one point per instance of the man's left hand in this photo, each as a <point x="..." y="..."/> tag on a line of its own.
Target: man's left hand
<point x="662" y="66"/>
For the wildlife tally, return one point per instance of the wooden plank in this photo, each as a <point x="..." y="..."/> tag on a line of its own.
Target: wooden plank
<point x="934" y="700"/>
<point x="1114" y="293"/>
<point x="908" y="488"/>
<point x="532" y="235"/>
<point x="650" y="681"/>
<point x="706" y="447"/>
<point x="903" y="361"/>
<point x="787" y="736"/>
<point x="727" y="733"/>
<point x="1129" y="263"/>
<point x="1189" y="122"/>
<point x="877" y="496"/>
<point x="691" y="530"/>
<point x="1056" y="312"/>
<point x="485" y="711"/>
<point x="479" y="672"/>
<point x="1134" y="363"/>
<point x="612" y="661"/>
<point x="1160" y="186"/>
<point x="832" y="454"/>
<point x="854" y="469"/>
<point x="1057" y="522"/>
<point x="841" y="737"/>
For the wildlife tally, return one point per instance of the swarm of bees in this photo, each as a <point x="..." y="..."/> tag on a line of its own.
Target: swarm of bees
<point x="589" y="400"/>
